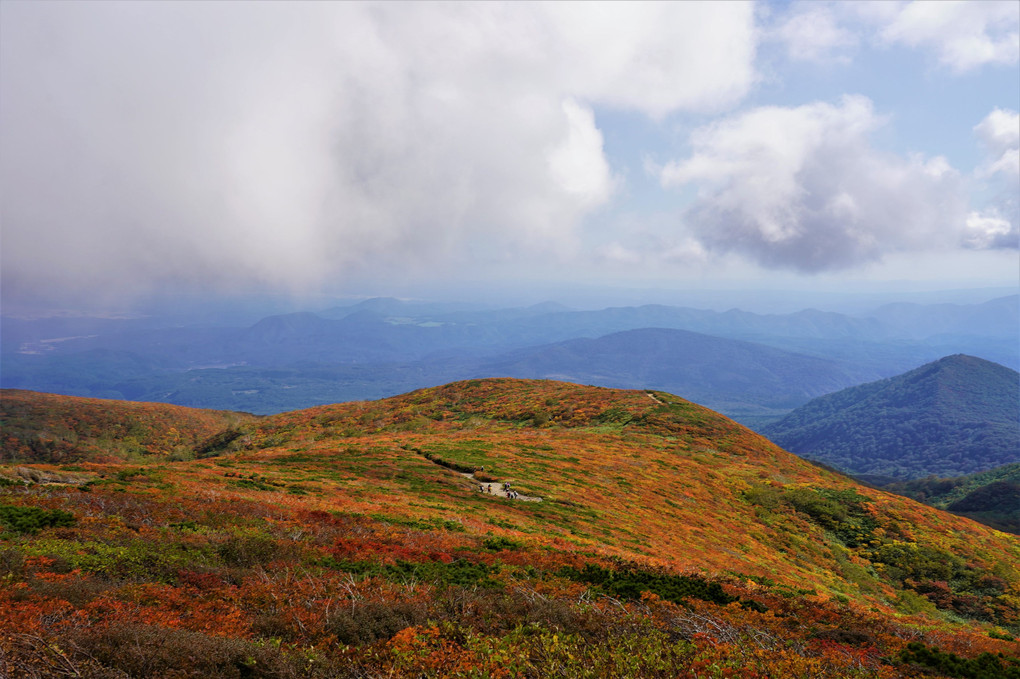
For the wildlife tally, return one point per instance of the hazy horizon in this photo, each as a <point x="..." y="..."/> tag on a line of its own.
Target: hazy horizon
<point x="247" y="309"/>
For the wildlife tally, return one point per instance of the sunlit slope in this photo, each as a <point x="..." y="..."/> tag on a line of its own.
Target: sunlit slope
<point x="651" y="538"/>
<point x="640" y="475"/>
<point x="51" y="428"/>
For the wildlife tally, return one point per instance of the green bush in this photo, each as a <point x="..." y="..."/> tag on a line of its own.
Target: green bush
<point x="763" y="496"/>
<point x="911" y="561"/>
<point x="630" y="583"/>
<point x="498" y="544"/>
<point x="839" y="511"/>
<point x="246" y="550"/>
<point x="252" y="484"/>
<point x="33" y="519"/>
<point x="985" y="666"/>
<point x="458" y="572"/>
<point x="614" y="416"/>
<point x="139" y="560"/>
<point x="449" y="464"/>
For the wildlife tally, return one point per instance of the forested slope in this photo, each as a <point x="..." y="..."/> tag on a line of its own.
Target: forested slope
<point x="991" y="497"/>
<point x="958" y="415"/>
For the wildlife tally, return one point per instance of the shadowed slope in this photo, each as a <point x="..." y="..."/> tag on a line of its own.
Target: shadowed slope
<point x="50" y="428"/>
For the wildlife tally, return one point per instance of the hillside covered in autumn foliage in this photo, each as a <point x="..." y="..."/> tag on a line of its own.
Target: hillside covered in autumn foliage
<point x="652" y="538"/>
<point x="50" y="428"/>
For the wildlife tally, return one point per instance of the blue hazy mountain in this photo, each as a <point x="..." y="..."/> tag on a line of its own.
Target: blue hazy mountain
<point x="385" y="346"/>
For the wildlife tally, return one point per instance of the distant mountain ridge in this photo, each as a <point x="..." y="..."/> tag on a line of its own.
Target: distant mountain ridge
<point x="381" y="347"/>
<point x="915" y="321"/>
<point x="406" y="331"/>
<point x="732" y="376"/>
<point x="955" y="416"/>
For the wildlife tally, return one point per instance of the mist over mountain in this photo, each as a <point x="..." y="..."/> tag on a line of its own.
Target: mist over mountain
<point x="995" y="318"/>
<point x="381" y="347"/>
<point x="741" y="379"/>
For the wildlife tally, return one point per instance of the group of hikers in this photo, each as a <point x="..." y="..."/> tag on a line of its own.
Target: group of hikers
<point x="487" y="488"/>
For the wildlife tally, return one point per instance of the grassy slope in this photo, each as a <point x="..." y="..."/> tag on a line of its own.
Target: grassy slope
<point x="667" y="486"/>
<point x="50" y="428"/>
<point x="337" y="511"/>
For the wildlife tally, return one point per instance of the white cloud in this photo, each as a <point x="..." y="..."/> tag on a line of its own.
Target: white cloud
<point x="989" y="230"/>
<point x="999" y="132"/>
<point x="656" y="57"/>
<point x="802" y="188"/>
<point x="577" y="165"/>
<point x="997" y="225"/>
<point x="234" y="143"/>
<point x="686" y="252"/>
<point x="652" y="252"/>
<point x="617" y="253"/>
<point x="814" y="32"/>
<point x="965" y="34"/>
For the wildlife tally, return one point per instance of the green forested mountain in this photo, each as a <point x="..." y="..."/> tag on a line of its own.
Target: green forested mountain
<point x="991" y="497"/>
<point x="958" y="415"/>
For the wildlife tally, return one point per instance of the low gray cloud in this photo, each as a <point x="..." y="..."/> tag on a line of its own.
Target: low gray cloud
<point x="803" y="189"/>
<point x="228" y="145"/>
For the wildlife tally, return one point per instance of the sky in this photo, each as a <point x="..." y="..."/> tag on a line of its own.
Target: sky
<point x="418" y="149"/>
